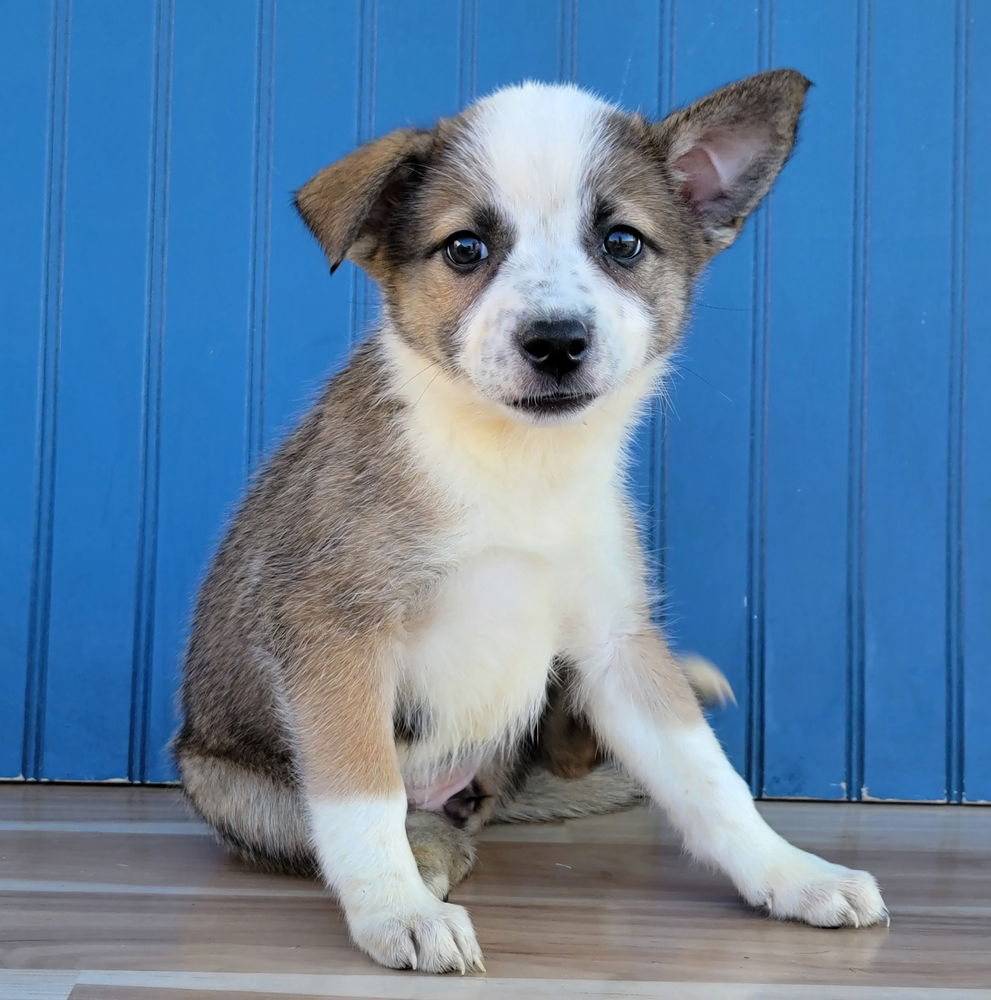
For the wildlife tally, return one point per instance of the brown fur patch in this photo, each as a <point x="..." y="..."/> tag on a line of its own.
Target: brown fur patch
<point x="566" y="743"/>
<point x="655" y="680"/>
<point x="339" y="692"/>
<point x="766" y="109"/>
<point x="428" y="299"/>
<point x="347" y="204"/>
<point x="341" y="541"/>
<point x="338" y="540"/>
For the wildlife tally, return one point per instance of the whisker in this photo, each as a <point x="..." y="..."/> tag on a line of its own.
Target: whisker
<point x="427" y="386"/>
<point x="702" y="378"/>
<point x="731" y="309"/>
<point x="433" y="364"/>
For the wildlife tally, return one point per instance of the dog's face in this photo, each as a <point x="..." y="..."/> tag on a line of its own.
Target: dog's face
<point x="541" y="246"/>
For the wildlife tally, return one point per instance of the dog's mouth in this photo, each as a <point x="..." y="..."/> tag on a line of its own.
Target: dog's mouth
<point x="553" y="403"/>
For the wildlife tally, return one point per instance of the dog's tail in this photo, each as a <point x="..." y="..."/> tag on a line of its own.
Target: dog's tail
<point x="544" y="797"/>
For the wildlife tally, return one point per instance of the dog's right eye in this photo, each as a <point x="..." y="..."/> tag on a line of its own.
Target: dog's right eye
<point x="622" y="243"/>
<point x="465" y="251"/>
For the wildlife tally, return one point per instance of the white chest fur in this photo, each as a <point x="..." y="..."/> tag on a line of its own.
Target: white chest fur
<point x="475" y="667"/>
<point x="540" y="563"/>
<point x="477" y="664"/>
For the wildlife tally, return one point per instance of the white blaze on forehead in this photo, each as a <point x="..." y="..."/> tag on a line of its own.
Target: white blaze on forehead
<point x="536" y="145"/>
<point x="532" y="153"/>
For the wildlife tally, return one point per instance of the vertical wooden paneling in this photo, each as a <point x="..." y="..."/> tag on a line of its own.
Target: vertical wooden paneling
<point x="974" y="266"/>
<point x="906" y="433"/>
<point x="207" y="351"/>
<point x="816" y="488"/>
<point x="622" y="52"/>
<point x="315" y="94"/>
<point x="261" y="212"/>
<point x="955" y="422"/>
<point x="708" y="504"/>
<point x="520" y="40"/>
<point x="409" y="35"/>
<point x="96" y="500"/>
<point x="147" y="552"/>
<point x="815" y="219"/>
<point x="32" y="52"/>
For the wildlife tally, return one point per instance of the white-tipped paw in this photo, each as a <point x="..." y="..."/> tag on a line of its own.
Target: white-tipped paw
<point x="433" y="937"/>
<point x="801" y="886"/>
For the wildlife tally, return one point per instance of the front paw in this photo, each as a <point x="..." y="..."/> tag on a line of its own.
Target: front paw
<point x="431" y="937"/>
<point x="800" y="886"/>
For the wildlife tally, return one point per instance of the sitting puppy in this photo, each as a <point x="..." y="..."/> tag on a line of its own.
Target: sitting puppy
<point x="374" y="641"/>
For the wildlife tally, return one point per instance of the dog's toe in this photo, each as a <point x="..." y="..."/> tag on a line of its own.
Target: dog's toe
<point x="438" y="938"/>
<point x="801" y="886"/>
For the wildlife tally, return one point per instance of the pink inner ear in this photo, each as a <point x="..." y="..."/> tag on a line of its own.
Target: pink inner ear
<point x="715" y="162"/>
<point x="702" y="182"/>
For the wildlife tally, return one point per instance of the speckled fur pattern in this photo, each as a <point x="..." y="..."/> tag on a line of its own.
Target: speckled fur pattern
<point x="432" y="604"/>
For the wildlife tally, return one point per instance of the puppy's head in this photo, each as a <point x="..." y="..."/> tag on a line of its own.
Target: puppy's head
<point x="541" y="245"/>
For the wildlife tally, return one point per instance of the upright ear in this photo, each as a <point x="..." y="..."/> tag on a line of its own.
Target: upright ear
<point x="348" y="205"/>
<point x="724" y="151"/>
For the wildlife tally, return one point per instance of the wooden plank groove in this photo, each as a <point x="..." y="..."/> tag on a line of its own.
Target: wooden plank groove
<point x="600" y="907"/>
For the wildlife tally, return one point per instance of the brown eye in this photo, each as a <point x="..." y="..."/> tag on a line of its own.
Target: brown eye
<point x="622" y="243"/>
<point x="465" y="251"/>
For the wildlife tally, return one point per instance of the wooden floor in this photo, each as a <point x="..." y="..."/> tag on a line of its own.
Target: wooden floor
<point x="115" y="893"/>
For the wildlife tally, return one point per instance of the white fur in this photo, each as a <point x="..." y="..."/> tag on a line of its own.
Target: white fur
<point x="365" y="857"/>
<point x="541" y="560"/>
<point x="540" y="544"/>
<point x="543" y="564"/>
<point x="686" y="771"/>
<point x="536" y="147"/>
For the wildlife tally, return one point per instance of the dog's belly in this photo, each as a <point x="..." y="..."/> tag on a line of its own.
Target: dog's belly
<point x="475" y="670"/>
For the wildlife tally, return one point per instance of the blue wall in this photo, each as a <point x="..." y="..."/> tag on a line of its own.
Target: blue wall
<point x="819" y="484"/>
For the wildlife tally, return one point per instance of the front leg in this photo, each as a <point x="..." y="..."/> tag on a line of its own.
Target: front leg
<point x="644" y="710"/>
<point x="340" y="701"/>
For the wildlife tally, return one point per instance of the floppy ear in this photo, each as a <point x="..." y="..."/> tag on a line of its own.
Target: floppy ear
<point x="724" y="151"/>
<point x="348" y="205"/>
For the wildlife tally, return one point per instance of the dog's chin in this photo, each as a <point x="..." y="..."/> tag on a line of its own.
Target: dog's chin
<point x="551" y="407"/>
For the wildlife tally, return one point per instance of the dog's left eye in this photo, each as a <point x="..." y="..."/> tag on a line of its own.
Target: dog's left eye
<point x="622" y="243"/>
<point x="465" y="250"/>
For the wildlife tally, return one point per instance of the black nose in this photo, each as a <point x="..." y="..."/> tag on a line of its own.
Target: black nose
<point x="555" y="346"/>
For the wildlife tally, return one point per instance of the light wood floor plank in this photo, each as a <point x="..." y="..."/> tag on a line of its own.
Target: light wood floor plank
<point x="121" y="880"/>
<point x="170" y="986"/>
<point x="36" y="985"/>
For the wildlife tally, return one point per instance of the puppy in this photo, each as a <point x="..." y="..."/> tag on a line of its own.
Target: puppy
<point x="449" y="525"/>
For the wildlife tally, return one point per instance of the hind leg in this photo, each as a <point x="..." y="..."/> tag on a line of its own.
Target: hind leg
<point x="263" y="822"/>
<point x="444" y="854"/>
<point x="258" y="817"/>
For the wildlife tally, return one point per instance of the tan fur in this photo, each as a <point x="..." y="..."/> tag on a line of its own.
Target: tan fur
<point x="445" y="855"/>
<point x="653" y="678"/>
<point x="386" y="607"/>
<point x="340" y="700"/>
<point x="338" y="203"/>
<point x="768" y="103"/>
